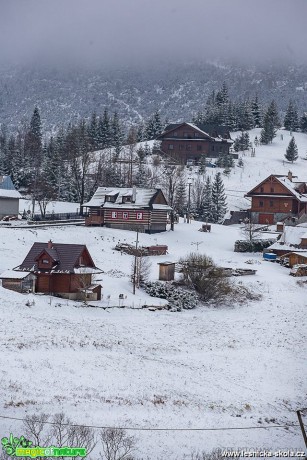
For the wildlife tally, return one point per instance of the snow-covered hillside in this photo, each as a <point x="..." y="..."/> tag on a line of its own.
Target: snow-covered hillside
<point x="237" y="366"/>
<point x="232" y="366"/>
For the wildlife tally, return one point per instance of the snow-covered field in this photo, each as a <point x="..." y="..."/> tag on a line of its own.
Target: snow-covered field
<point x="229" y="367"/>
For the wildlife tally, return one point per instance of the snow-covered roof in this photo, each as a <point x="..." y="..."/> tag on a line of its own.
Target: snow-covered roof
<point x="4" y="193"/>
<point x="164" y="207"/>
<point x="291" y="186"/>
<point x="14" y="275"/>
<point x="290" y="238"/>
<point x="87" y="270"/>
<point x="143" y="197"/>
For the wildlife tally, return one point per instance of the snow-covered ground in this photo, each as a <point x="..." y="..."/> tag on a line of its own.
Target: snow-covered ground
<point x="235" y="366"/>
<point x="238" y="366"/>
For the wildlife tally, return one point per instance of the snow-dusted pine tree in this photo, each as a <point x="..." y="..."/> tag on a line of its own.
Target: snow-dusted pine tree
<point x="291" y="118"/>
<point x="292" y="151"/>
<point x="219" y="206"/>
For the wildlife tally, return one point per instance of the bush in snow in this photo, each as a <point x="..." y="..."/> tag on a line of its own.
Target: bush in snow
<point x="252" y="246"/>
<point x="177" y="298"/>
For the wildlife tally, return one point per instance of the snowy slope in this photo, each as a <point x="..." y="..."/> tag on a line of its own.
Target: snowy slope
<point x="236" y="366"/>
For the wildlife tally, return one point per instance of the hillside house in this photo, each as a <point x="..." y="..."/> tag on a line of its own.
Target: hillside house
<point x="292" y="239"/>
<point x="294" y="258"/>
<point x="64" y="270"/>
<point x="9" y="198"/>
<point x="278" y="198"/>
<point x="140" y="209"/>
<point x="187" y="143"/>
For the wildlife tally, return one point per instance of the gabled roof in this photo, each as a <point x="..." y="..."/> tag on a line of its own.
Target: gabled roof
<point x="8" y="193"/>
<point x="67" y="257"/>
<point x="210" y="131"/>
<point x="287" y="183"/>
<point x="6" y="183"/>
<point x="144" y="198"/>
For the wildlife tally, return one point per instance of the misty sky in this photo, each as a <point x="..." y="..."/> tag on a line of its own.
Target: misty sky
<point x="114" y="31"/>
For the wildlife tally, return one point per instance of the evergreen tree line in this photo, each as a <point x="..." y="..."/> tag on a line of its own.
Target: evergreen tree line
<point x="246" y="114"/>
<point x="207" y="201"/>
<point x="63" y="166"/>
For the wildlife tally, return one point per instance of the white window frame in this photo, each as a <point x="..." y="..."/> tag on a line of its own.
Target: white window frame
<point x="114" y="215"/>
<point x="139" y="216"/>
<point x="125" y="215"/>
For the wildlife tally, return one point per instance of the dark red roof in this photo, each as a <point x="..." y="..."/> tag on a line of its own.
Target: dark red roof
<point x="65" y="255"/>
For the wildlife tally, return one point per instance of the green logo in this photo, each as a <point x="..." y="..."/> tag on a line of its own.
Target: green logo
<point x="22" y="447"/>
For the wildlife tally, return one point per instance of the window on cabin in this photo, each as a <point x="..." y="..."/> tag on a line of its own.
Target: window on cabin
<point x="261" y="204"/>
<point x="199" y="147"/>
<point x="185" y="135"/>
<point x="271" y="203"/>
<point x="139" y="215"/>
<point x="181" y="147"/>
<point x="175" y="134"/>
<point x="110" y="198"/>
<point x="272" y="189"/>
<point x="45" y="261"/>
<point x="114" y="214"/>
<point x="261" y="189"/>
<point x="170" y="146"/>
<point x="127" y="199"/>
<point x="188" y="147"/>
<point x="125" y="215"/>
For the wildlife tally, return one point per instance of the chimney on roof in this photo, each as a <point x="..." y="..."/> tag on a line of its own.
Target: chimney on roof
<point x="290" y="176"/>
<point x="49" y="244"/>
<point x="133" y="194"/>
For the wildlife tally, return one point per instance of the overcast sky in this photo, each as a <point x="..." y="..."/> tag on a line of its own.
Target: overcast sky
<point x="126" y="31"/>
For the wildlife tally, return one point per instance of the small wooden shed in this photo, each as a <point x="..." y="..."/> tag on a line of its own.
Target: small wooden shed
<point x="294" y="258"/>
<point x="166" y="271"/>
<point x="19" y="281"/>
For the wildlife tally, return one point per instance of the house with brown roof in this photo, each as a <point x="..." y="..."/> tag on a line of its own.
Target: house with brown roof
<point x="145" y="210"/>
<point x="65" y="270"/>
<point x="278" y="198"/>
<point x="187" y="142"/>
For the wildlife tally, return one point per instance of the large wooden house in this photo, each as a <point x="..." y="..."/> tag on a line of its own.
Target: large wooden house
<point x="278" y="198"/>
<point x="140" y="209"/>
<point x="65" y="270"/>
<point x="187" y="143"/>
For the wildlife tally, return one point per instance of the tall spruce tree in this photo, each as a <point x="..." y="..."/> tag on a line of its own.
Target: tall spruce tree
<point x="117" y="135"/>
<point x="180" y="200"/>
<point x="270" y="124"/>
<point x="256" y="112"/>
<point x="291" y="118"/>
<point x="207" y="207"/>
<point x="303" y="122"/>
<point x="292" y="151"/>
<point x="219" y="206"/>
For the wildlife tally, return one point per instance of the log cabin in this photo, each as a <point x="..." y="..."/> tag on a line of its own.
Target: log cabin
<point x="187" y="143"/>
<point x="278" y="198"/>
<point x="64" y="270"/>
<point x="145" y="210"/>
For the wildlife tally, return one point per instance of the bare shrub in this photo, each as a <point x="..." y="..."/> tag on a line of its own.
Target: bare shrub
<point x="116" y="444"/>
<point x="36" y="429"/>
<point x="216" y="454"/>
<point x="199" y="272"/>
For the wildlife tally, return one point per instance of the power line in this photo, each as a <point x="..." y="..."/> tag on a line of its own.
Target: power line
<point x="161" y="429"/>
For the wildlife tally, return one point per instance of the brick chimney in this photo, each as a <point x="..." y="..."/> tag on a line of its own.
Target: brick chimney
<point x="290" y="175"/>
<point x="49" y="244"/>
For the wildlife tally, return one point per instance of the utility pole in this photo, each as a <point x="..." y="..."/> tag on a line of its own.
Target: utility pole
<point x="189" y="202"/>
<point x="135" y="261"/>
<point x="298" y="412"/>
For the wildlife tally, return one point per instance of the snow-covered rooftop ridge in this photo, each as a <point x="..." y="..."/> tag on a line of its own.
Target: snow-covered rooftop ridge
<point x="14" y="275"/>
<point x="291" y="235"/>
<point x="142" y="196"/>
<point x="291" y="186"/>
<point x="6" y="193"/>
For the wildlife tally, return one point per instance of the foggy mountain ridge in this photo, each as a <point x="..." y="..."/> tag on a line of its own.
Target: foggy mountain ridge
<point x="177" y="90"/>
